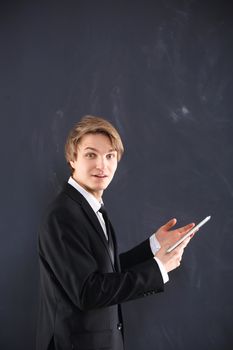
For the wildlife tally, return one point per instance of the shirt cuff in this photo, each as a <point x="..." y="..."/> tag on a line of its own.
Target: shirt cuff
<point x="154" y="244"/>
<point x="162" y="270"/>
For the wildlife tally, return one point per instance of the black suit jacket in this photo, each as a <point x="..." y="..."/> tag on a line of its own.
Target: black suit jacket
<point x="81" y="287"/>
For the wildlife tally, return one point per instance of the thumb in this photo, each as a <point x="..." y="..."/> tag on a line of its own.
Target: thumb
<point x="169" y="224"/>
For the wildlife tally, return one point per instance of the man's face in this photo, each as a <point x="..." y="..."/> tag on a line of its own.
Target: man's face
<point x="96" y="163"/>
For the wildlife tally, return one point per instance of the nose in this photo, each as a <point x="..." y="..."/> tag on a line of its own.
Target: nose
<point x="101" y="163"/>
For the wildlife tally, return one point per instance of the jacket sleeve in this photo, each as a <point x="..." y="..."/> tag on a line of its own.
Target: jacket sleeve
<point x="136" y="255"/>
<point x="68" y="260"/>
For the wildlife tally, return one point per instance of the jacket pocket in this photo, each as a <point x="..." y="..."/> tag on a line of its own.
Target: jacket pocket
<point x="93" y="340"/>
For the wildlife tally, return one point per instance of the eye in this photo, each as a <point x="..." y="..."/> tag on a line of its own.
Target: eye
<point x="90" y="155"/>
<point x="111" y="156"/>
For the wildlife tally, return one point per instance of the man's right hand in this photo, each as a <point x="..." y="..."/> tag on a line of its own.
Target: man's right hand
<point x="173" y="259"/>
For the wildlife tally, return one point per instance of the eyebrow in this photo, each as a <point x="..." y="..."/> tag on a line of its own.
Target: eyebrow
<point x="96" y="150"/>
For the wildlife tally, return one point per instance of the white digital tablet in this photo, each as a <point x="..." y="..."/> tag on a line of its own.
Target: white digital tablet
<point x="193" y="230"/>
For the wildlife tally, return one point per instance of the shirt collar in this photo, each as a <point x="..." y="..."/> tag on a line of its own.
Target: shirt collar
<point x="94" y="203"/>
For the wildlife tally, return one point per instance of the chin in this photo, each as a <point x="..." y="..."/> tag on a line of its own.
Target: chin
<point x="101" y="186"/>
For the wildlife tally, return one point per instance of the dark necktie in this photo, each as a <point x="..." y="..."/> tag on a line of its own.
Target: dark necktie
<point x="103" y="211"/>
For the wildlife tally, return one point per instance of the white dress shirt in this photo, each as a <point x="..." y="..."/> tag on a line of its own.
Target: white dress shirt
<point x="96" y="205"/>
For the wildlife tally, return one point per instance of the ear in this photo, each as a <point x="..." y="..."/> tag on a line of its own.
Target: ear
<point x="72" y="163"/>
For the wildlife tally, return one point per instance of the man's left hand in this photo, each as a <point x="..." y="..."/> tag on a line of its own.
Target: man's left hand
<point x="167" y="237"/>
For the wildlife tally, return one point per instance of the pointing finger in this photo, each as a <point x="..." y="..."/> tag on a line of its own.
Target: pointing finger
<point x="186" y="228"/>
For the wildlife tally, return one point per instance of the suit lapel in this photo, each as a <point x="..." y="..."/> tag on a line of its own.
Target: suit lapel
<point x="78" y="197"/>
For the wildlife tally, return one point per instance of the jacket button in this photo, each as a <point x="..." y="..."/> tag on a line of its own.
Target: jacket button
<point x="119" y="326"/>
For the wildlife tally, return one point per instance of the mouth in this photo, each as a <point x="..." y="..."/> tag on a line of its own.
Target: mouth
<point x="100" y="176"/>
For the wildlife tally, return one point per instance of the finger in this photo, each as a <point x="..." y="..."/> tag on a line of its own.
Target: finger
<point x="179" y="250"/>
<point x="185" y="242"/>
<point x="169" y="224"/>
<point x="186" y="228"/>
<point x="191" y="236"/>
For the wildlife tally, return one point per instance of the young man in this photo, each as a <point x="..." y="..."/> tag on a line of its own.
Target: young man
<point x="83" y="280"/>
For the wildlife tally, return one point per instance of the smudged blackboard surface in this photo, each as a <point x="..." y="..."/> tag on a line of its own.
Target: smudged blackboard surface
<point x="161" y="72"/>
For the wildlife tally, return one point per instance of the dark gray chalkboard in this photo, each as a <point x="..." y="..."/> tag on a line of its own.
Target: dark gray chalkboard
<point x="161" y="71"/>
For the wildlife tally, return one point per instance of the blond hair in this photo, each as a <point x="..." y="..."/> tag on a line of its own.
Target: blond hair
<point x="92" y="125"/>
